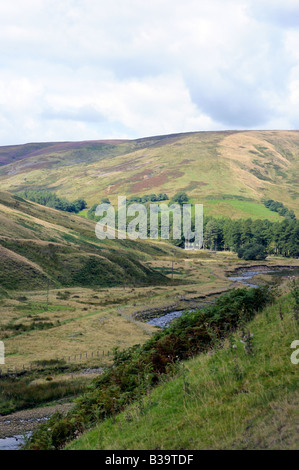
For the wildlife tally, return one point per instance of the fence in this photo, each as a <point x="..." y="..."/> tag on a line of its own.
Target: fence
<point x="42" y="365"/>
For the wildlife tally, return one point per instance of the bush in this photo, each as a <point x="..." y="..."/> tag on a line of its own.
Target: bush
<point x="252" y="251"/>
<point x="181" y="198"/>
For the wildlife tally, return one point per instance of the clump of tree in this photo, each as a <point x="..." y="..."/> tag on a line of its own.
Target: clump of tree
<point x="278" y="207"/>
<point x="91" y="213"/>
<point x="180" y="198"/>
<point x="252" y="251"/>
<point x="50" y="199"/>
<point x="148" y="198"/>
<point x="132" y="200"/>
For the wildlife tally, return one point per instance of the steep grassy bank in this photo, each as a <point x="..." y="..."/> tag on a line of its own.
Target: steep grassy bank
<point x="234" y="397"/>
<point x="136" y="370"/>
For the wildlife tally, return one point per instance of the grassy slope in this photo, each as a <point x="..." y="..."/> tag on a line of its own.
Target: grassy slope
<point x="214" y="168"/>
<point x="224" y="399"/>
<point x="37" y="243"/>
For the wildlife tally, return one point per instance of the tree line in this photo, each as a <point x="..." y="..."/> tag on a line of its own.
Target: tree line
<point x="279" y="238"/>
<point x="251" y="239"/>
<point x="50" y="199"/>
<point x="280" y="208"/>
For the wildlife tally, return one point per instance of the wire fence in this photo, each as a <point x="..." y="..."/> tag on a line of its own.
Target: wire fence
<point x="45" y="364"/>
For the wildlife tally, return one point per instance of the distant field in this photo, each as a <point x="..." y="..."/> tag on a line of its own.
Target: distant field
<point x="238" y="209"/>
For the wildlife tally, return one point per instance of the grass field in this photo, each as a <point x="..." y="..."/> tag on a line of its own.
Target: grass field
<point x="239" y="209"/>
<point x="223" y="399"/>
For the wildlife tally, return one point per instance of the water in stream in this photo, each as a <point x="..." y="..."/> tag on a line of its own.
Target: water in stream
<point x="244" y="277"/>
<point x="164" y="321"/>
<point x="11" y="443"/>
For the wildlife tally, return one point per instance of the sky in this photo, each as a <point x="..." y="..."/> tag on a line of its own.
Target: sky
<point x="95" y="69"/>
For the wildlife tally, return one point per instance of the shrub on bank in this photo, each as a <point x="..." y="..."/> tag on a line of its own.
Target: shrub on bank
<point x="139" y="368"/>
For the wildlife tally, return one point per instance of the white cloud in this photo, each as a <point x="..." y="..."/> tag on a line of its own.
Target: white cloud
<point x="80" y="69"/>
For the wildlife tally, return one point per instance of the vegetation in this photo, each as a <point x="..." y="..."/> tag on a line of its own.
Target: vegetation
<point x="138" y="369"/>
<point x="31" y="388"/>
<point x="259" y="237"/>
<point x="213" y="168"/>
<point x="280" y="238"/>
<point x="181" y="198"/>
<point x="237" y="373"/>
<point x="40" y="244"/>
<point x="148" y="198"/>
<point x="49" y="199"/>
<point x="233" y="397"/>
<point x="132" y="200"/>
<point x="252" y="251"/>
<point x="279" y="208"/>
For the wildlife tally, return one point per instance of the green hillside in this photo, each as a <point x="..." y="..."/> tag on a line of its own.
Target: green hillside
<point x="229" y="172"/>
<point x="228" y="398"/>
<point x="39" y="244"/>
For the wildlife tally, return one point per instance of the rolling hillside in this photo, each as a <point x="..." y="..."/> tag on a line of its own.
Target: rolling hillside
<point x="229" y="172"/>
<point x="38" y="244"/>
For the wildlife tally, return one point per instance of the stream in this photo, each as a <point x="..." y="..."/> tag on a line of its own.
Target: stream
<point x="244" y="276"/>
<point x="164" y="321"/>
<point x="11" y="443"/>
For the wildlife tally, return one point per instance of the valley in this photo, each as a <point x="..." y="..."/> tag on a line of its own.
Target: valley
<point x="68" y="299"/>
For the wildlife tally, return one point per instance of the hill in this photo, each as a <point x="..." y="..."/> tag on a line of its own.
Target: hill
<point x="40" y="245"/>
<point x="224" y="399"/>
<point x="229" y="172"/>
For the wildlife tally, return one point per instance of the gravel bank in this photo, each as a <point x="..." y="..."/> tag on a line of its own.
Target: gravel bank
<point x="27" y="420"/>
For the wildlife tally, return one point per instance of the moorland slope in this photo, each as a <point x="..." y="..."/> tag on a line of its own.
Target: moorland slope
<point x="40" y="245"/>
<point x="229" y="172"/>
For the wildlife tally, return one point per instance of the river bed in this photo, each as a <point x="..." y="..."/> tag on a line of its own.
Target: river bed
<point x="164" y="321"/>
<point x="244" y="276"/>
